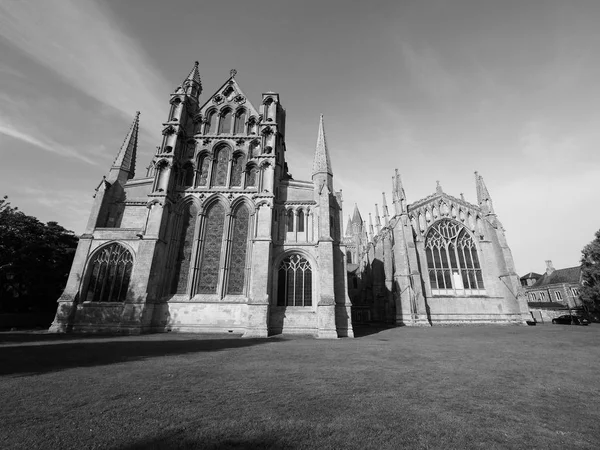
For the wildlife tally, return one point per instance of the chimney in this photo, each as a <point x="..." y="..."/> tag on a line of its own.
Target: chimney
<point x="549" y="267"/>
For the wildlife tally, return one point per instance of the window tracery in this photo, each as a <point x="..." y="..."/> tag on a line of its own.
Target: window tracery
<point x="294" y="282"/>
<point x="239" y="246"/>
<point x="109" y="274"/>
<point x="203" y="165"/>
<point x="452" y="260"/>
<point x="219" y="176"/>
<point x="236" y="170"/>
<point x="211" y="253"/>
<point x="251" y="176"/>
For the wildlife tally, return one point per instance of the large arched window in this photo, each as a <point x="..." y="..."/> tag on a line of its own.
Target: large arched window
<point x="239" y="247"/>
<point x="452" y="260"/>
<point x="183" y="254"/>
<point x="237" y="167"/>
<point x="220" y="163"/>
<point x="211" y="253"/>
<point x="294" y="284"/>
<point x="240" y="122"/>
<point x="225" y="121"/>
<point x="109" y="274"/>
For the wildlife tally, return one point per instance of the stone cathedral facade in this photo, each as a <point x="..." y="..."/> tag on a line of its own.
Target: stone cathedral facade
<point x="218" y="236"/>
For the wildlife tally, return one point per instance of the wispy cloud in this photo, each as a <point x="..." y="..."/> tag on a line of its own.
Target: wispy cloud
<point x="46" y="144"/>
<point x="78" y="40"/>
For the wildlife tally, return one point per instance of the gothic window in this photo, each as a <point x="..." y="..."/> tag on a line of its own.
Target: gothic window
<point x="294" y="284"/>
<point x="300" y="226"/>
<point x="188" y="175"/>
<point x="211" y="253"/>
<point x="219" y="175"/>
<point x="452" y="260"/>
<point x="225" y="122"/>
<point x="251" y="176"/>
<point x="239" y="246"/>
<point x="163" y="176"/>
<point x="203" y="165"/>
<point x="252" y="125"/>
<point x="211" y="123"/>
<point x="558" y="296"/>
<point x="290" y="220"/>
<point x="236" y="170"/>
<point x="109" y="274"/>
<point x="349" y="257"/>
<point x="253" y="149"/>
<point x="542" y="296"/>
<point x="240" y="122"/>
<point x="184" y="248"/>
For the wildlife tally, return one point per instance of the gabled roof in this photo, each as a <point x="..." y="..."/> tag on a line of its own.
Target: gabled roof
<point x="238" y="97"/>
<point x="531" y="276"/>
<point x="571" y="275"/>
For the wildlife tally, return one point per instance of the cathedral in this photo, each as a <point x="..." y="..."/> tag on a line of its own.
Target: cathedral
<point x="217" y="236"/>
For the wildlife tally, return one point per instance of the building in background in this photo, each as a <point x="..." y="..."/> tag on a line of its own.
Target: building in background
<point x="555" y="293"/>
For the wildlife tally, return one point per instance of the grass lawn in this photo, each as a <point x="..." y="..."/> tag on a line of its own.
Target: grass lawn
<point x="446" y="387"/>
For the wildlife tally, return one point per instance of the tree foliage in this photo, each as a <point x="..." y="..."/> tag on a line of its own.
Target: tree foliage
<point x="590" y="268"/>
<point x="35" y="259"/>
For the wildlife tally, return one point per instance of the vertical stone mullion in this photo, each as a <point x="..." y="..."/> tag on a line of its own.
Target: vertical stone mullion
<point x="198" y="249"/>
<point x="225" y="255"/>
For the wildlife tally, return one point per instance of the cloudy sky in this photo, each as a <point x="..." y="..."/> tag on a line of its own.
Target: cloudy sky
<point x="435" y="88"/>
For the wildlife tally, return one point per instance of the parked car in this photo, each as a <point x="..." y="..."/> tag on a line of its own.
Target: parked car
<point x="570" y="320"/>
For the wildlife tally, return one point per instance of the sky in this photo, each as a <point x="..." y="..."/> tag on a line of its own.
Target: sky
<point x="435" y="88"/>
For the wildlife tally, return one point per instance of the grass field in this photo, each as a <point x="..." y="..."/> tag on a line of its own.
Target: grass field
<point x="452" y="387"/>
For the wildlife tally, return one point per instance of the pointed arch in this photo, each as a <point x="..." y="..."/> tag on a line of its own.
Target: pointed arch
<point x="225" y="118"/>
<point x="203" y="165"/>
<point x="237" y="168"/>
<point x="238" y="268"/>
<point x="187" y="175"/>
<point x="251" y="178"/>
<point x="210" y="254"/>
<point x="240" y="121"/>
<point x="300" y="221"/>
<point x="452" y="259"/>
<point x="294" y="280"/>
<point x="109" y="271"/>
<point x="211" y="122"/>
<point x="183" y="245"/>
<point x="220" y="166"/>
<point x="253" y="149"/>
<point x="252" y="122"/>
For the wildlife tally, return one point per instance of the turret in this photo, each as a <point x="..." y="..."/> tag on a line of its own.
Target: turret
<point x="377" y="219"/>
<point x="370" y="228"/>
<point x="483" y="196"/>
<point x="399" y="197"/>
<point x="123" y="167"/>
<point x="386" y="213"/>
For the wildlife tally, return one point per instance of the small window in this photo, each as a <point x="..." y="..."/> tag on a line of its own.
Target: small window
<point x="300" y="226"/>
<point x="542" y="296"/>
<point x="575" y="292"/>
<point x="558" y="296"/>
<point x="225" y="122"/>
<point x="533" y="299"/>
<point x="349" y="257"/>
<point x="290" y="220"/>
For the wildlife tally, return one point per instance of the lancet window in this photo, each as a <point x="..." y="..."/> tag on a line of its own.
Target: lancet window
<point x="211" y="123"/>
<point x="452" y="260"/>
<point x="211" y="253"/>
<point x="300" y="227"/>
<point x="225" y="121"/>
<point x="239" y="247"/>
<point x="203" y="166"/>
<point x="251" y="176"/>
<point x="220" y="163"/>
<point x="188" y="175"/>
<point x="290" y="220"/>
<point x="236" y="170"/>
<point x="294" y="283"/>
<point x="240" y="122"/>
<point x="109" y="273"/>
<point x="183" y="254"/>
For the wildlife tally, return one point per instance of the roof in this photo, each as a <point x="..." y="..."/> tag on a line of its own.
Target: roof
<point x="571" y="275"/>
<point x="530" y="276"/>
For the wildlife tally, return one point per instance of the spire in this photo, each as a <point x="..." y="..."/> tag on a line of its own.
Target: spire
<point x="356" y="217"/>
<point x="370" y="228"/>
<point x="483" y="196"/>
<point x="123" y="167"/>
<point x="377" y="219"/>
<point x="321" y="163"/>
<point x="192" y="84"/>
<point x="386" y="213"/>
<point x="399" y="197"/>
<point x="349" y="229"/>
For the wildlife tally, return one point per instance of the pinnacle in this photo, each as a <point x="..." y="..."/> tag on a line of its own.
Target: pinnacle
<point x="321" y="163"/>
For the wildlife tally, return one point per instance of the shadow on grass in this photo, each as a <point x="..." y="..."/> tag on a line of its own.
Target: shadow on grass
<point x="49" y="353"/>
<point x="177" y="441"/>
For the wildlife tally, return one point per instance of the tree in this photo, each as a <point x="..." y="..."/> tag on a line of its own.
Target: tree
<point x="35" y="259"/>
<point x="590" y="271"/>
